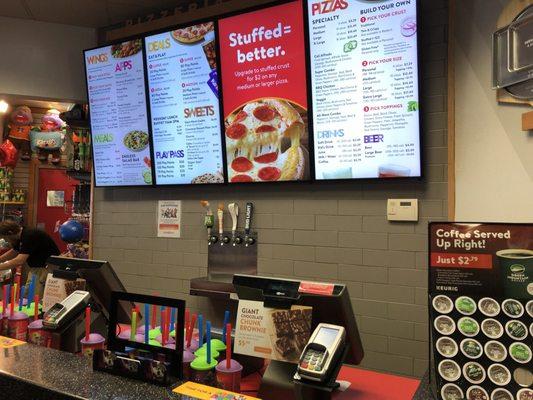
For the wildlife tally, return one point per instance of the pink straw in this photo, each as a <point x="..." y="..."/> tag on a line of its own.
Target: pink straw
<point x="87" y="323"/>
<point x="36" y="307"/>
<point x="187" y="320"/>
<point x="191" y="329"/>
<point x="228" y="346"/>
<point x="4" y="299"/>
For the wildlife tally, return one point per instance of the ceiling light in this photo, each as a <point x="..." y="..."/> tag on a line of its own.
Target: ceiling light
<point x="3" y="106"/>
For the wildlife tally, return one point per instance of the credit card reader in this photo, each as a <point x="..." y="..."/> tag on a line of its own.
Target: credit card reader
<point x="322" y="353"/>
<point x="61" y="313"/>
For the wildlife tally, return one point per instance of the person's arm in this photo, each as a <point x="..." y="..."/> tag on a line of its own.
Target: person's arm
<point x="14" y="262"/>
<point x="8" y="255"/>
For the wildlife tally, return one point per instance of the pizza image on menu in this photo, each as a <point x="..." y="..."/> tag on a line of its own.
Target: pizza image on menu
<point x="263" y="141"/>
<point x="192" y="34"/>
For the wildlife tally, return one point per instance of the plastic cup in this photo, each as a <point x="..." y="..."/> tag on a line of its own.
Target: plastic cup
<point x="37" y="335"/>
<point x="95" y="342"/>
<point x="202" y="372"/>
<point x="229" y="378"/>
<point x="17" y="326"/>
<point x="4" y="324"/>
<point x="188" y="358"/>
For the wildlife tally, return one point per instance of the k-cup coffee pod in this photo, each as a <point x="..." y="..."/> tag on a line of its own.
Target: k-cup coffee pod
<point x="499" y="374"/>
<point x="492" y="328"/>
<point x="495" y="351"/>
<point x="451" y="391"/>
<point x="523" y="377"/>
<point x="524" y="394"/>
<point x="513" y="308"/>
<point x="442" y="304"/>
<point x="517" y="330"/>
<point x="465" y="305"/>
<point x="444" y="325"/>
<point x="447" y="347"/>
<point x="468" y="326"/>
<point x="449" y="370"/>
<point x="520" y="352"/>
<point x="476" y="393"/>
<point x="471" y="348"/>
<point x="529" y="308"/>
<point x="516" y="270"/>
<point x="473" y="372"/>
<point x="489" y="307"/>
<point x="501" y="394"/>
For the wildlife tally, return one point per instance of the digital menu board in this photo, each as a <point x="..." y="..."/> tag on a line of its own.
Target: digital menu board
<point x="119" y="121"/>
<point x="263" y="64"/>
<point x="184" y="105"/>
<point x="364" y="79"/>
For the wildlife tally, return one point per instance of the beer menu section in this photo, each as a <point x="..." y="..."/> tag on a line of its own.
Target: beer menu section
<point x="119" y="123"/>
<point x="364" y="79"/>
<point x="183" y="93"/>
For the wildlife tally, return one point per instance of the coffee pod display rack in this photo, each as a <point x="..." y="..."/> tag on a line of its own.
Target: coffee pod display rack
<point x="481" y="311"/>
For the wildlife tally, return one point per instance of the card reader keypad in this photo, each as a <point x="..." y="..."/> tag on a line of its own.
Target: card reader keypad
<point x="313" y="360"/>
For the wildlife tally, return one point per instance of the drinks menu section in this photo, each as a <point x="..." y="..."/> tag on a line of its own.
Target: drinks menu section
<point x="365" y="88"/>
<point x="265" y="94"/>
<point x="185" y="116"/>
<point x="119" y="122"/>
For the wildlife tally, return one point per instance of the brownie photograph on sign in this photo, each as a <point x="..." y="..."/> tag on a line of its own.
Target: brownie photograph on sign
<point x="290" y="332"/>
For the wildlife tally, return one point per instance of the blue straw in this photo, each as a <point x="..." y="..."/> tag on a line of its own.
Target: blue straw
<point x="226" y="321"/>
<point x="208" y="338"/>
<point x="200" y="330"/>
<point x="31" y="294"/>
<point x="21" y="297"/>
<point x="146" y="323"/>
<point x="172" y="319"/>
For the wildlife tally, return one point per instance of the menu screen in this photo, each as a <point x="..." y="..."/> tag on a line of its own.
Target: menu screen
<point x="119" y="122"/>
<point x="364" y="79"/>
<point x="265" y="96"/>
<point x="185" y="115"/>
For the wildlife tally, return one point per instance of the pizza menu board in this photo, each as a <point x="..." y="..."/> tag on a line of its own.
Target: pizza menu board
<point x="119" y="122"/>
<point x="263" y="64"/>
<point x="364" y="79"/>
<point x="185" y="116"/>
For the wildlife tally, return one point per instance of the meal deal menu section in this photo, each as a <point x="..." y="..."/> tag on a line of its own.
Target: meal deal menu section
<point x="183" y="92"/>
<point x="265" y="96"/>
<point x="365" y="88"/>
<point x="119" y="123"/>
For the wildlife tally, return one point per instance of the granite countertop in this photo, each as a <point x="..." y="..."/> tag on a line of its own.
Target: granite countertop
<point x="33" y="372"/>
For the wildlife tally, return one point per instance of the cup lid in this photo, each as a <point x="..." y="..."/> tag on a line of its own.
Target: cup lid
<point x="200" y="364"/>
<point x="37" y="324"/>
<point x="235" y="366"/>
<point x="202" y="352"/>
<point x="18" y="316"/>
<point x="188" y="356"/>
<point x="94" y="338"/>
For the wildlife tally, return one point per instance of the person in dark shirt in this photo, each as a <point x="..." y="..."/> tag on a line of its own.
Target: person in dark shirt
<point x="28" y="245"/>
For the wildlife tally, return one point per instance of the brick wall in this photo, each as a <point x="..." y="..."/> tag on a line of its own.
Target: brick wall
<point x="328" y="232"/>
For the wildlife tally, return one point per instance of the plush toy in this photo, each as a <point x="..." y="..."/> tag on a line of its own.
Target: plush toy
<point x="48" y="137"/>
<point x="19" y="130"/>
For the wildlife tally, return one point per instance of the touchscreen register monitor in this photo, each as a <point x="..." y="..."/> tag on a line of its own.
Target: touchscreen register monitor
<point x="101" y="281"/>
<point x="276" y="292"/>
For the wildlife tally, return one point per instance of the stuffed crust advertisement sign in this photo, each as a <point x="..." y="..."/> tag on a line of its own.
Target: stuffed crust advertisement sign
<point x="265" y="94"/>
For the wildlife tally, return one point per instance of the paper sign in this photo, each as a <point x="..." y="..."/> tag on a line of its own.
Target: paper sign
<point x="56" y="290"/>
<point x="7" y="343"/>
<point x="169" y="218"/>
<point x="203" y="392"/>
<point x="55" y="198"/>
<point x="272" y="333"/>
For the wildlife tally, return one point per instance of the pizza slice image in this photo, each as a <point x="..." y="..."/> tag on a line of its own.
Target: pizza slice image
<point x="263" y="142"/>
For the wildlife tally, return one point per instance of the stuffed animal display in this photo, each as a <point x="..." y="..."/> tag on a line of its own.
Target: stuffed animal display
<point x="48" y="137"/>
<point x="21" y="120"/>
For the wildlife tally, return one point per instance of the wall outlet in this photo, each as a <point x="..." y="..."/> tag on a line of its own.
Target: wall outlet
<point x="402" y="209"/>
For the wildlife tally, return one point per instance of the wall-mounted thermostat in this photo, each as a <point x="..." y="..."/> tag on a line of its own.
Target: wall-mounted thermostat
<point x="402" y="209"/>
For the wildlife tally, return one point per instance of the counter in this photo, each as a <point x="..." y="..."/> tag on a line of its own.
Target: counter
<point x="38" y="373"/>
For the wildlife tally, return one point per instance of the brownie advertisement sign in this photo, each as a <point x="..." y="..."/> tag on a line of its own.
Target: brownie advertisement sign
<point x="265" y="96"/>
<point x="481" y="259"/>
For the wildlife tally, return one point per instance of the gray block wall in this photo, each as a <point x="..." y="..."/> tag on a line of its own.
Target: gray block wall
<point x="324" y="232"/>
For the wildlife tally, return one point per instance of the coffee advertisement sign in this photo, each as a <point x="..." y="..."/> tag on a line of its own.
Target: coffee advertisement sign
<point x="481" y="259"/>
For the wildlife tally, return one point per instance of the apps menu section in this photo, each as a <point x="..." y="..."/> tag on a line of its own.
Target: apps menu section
<point x="184" y="105"/>
<point x="365" y="88"/>
<point x="119" y="122"/>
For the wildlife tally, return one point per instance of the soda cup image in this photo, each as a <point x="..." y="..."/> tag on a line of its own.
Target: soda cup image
<point x="18" y="326"/>
<point x="96" y="341"/>
<point x="516" y="269"/>
<point x="229" y="378"/>
<point x="37" y="335"/>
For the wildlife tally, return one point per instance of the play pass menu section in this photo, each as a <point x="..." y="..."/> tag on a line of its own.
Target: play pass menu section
<point x="365" y="88"/>
<point x="183" y="93"/>
<point x="119" y="124"/>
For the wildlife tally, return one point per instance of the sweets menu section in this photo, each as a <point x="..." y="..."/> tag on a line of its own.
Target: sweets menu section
<point x="185" y="117"/>
<point x="265" y="94"/>
<point x="119" y="122"/>
<point x="364" y="79"/>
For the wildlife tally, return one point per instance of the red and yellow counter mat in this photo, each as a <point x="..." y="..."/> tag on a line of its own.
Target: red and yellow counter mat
<point x="7" y="343"/>
<point x="203" y="392"/>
